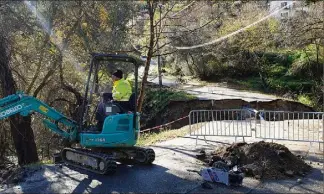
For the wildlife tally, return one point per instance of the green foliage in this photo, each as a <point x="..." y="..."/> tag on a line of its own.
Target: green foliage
<point x="156" y="100"/>
<point x="277" y="70"/>
<point x="253" y="83"/>
<point x="306" y="99"/>
<point x="306" y="65"/>
<point x="273" y="25"/>
<point x="286" y="83"/>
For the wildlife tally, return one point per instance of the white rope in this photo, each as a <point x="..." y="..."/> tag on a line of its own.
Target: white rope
<point x="231" y="34"/>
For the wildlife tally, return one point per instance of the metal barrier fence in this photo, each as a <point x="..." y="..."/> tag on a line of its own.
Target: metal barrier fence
<point x="275" y="125"/>
<point x="292" y="126"/>
<point x="233" y="122"/>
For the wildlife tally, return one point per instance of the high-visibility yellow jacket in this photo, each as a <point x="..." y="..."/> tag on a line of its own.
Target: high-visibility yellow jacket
<point x="121" y="90"/>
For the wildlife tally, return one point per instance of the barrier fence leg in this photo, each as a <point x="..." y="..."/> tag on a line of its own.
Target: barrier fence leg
<point x="310" y="149"/>
<point x="196" y="140"/>
<point x="319" y="146"/>
<point x="205" y="139"/>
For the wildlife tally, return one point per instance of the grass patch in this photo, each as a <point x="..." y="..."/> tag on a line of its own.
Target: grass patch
<point x="277" y="70"/>
<point x="251" y="83"/>
<point x="147" y="139"/>
<point x="306" y="99"/>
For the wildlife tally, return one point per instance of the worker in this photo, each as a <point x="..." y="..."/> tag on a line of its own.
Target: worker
<point x="121" y="89"/>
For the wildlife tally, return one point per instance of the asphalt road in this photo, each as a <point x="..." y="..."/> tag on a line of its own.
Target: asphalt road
<point x="214" y="91"/>
<point x="167" y="174"/>
<point x="170" y="173"/>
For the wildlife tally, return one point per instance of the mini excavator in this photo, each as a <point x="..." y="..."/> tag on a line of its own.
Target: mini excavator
<point x="98" y="150"/>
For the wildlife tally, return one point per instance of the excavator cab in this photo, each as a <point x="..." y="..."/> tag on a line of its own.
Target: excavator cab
<point x="117" y="121"/>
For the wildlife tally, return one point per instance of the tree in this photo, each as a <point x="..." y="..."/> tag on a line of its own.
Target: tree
<point x="151" y="11"/>
<point x="154" y="37"/>
<point x="21" y="130"/>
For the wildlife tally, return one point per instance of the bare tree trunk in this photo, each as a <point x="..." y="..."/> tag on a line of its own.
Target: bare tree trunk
<point x="149" y="55"/>
<point x="21" y="130"/>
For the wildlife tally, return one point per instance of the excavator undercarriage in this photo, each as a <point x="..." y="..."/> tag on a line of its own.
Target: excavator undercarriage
<point x="104" y="160"/>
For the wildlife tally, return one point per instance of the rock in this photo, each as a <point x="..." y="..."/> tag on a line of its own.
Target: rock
<point x="206" y="185"/>
<point x="299" y="181"/>
<point x="289" y="173"/>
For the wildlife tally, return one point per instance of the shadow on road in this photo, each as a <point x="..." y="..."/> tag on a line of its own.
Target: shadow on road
<point x="137" y="178"/>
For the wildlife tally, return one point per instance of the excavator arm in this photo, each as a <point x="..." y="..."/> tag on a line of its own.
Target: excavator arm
<point x="25" y="105"/>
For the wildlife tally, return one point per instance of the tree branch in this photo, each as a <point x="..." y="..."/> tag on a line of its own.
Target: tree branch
<point x="167" y="12"/>
<point x="31" y="84"/>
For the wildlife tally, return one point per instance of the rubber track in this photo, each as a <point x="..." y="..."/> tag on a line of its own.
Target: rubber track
<point x="150" y="154"/>
<point x="110" y="162"/>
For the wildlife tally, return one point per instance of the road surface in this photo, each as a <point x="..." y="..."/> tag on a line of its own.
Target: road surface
<point x="214" y="91"/>
<point x="170" y="173"/>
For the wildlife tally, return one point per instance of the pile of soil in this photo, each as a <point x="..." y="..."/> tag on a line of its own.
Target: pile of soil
<point x="261" y="160"/>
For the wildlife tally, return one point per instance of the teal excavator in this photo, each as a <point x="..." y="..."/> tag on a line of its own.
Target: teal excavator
<point x="98" y="149"/>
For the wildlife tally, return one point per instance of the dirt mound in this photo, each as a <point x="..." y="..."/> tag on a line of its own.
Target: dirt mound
<point x="261" y="160"/>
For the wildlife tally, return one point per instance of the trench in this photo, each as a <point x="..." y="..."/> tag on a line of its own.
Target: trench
<point x="178" y="109"/>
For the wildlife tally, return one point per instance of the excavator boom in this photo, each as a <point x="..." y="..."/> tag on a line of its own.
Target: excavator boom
<point x="25" y="105"/>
